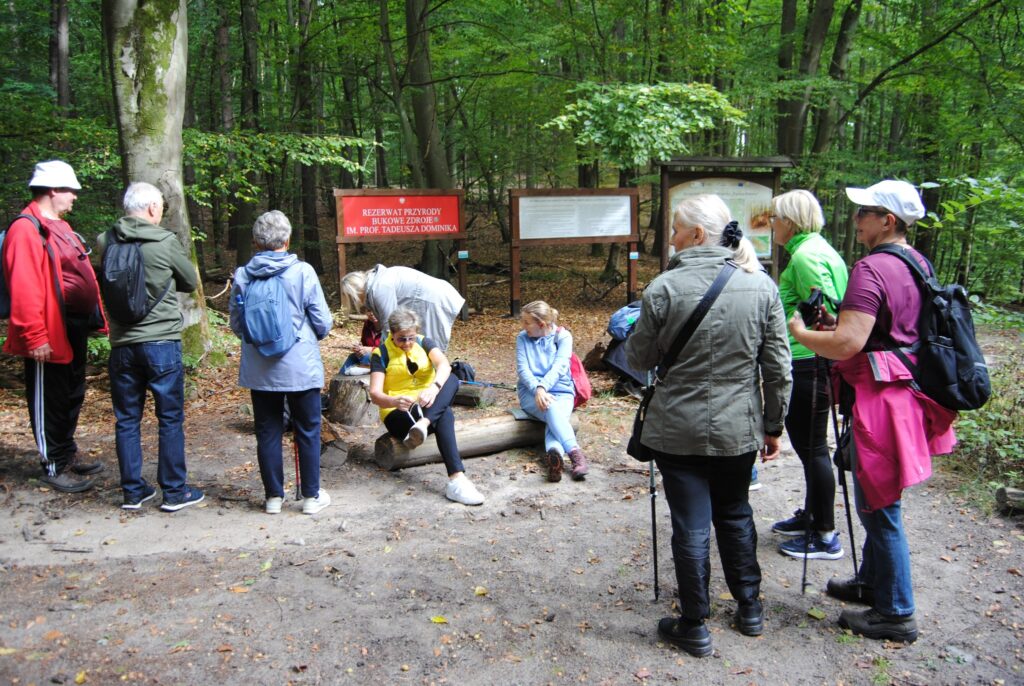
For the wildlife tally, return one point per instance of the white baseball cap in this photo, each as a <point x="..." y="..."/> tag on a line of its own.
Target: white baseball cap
<point x="54" y="174"/>
<point x="899" y="197"/>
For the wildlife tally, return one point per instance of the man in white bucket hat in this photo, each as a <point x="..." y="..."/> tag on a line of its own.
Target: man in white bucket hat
<point x="54" y="306"/>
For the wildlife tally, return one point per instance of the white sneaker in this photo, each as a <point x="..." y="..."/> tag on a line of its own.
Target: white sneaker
<point x="274" y="505"/>
<point x="462" y="490"/>
<point x="417" y="434"/>
<point x="357" y="371"/>
<point x="314" y="505"/>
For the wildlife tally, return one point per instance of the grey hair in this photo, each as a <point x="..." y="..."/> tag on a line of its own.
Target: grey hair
<point x="403" y="319"/>
<point x="139" y="196"/>
<point x="271" y="230"/>
<point x="353" y="290"/>
<point x="711" y="214"/>
<point x="801" y="208"/>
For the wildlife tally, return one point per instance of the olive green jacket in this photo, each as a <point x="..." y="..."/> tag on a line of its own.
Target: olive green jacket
<point x="730" y="385"/>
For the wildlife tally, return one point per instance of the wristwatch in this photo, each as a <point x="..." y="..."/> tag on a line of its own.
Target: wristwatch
<point x="437" y="384"/>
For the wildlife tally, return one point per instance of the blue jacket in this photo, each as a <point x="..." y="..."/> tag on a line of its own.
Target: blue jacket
<point x="544" y="362"/>
<point x="301" y="368"/>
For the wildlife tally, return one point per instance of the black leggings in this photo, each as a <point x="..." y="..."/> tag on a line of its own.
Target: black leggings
<point x="807" y="426"/>
<point x="442" y="424"/>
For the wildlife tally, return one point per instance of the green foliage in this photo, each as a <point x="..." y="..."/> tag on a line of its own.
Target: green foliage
<point x="629" y="124"/>
<point x="98" y="350"/>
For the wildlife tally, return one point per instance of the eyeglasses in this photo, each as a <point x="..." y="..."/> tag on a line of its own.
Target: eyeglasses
<point x="864" y="211"/>
<point x="772" y="217"/>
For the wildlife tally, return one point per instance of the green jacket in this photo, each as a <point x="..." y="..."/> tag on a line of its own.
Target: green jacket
<point x="165" y="260"/>
<point x="730" y="385"/>
<point x="812" y="262"/>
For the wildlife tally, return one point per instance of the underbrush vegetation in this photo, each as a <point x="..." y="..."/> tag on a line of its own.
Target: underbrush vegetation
<point x="990" y="451"/>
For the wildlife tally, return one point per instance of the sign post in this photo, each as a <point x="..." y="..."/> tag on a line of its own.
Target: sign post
<point x="366" y="216"/>
<point x="573" y="216"/>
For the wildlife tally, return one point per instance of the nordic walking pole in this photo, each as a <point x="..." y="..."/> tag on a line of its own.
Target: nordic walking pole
<point x="654" y="528"/>
<point x="298" y="478"/>
<point x="839" y="463"/>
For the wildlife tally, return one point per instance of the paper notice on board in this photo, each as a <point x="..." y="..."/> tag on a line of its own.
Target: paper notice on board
<point x="748" y="202"/>
<point x="575" y="216"/>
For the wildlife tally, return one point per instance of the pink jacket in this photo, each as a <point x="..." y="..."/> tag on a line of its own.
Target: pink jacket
<point x="896" y="428"/>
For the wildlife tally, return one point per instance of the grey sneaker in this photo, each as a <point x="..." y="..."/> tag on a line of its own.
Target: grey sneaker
<point x="66" y="482"/>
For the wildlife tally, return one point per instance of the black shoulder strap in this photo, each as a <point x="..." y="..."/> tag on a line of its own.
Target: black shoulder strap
<point x="903" y="254"/>
<point x="696" y="317"/>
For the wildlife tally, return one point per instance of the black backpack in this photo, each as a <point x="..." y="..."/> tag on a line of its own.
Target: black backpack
<point x="463" y="371"/>
<point x="122" y="281"/>
<point x="950" y="367"/>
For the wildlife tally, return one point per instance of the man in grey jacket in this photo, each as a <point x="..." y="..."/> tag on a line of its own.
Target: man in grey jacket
<point x="147" y="354"/>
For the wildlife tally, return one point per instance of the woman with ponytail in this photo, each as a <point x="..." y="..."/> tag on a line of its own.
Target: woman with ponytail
<point x="722" y="401"/>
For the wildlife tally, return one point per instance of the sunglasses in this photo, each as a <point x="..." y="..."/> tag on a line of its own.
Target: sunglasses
<point x="864" y="211"/>
<point x="405" y="339"/>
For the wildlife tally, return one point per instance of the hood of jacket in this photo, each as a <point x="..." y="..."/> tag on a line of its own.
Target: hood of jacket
<point x="268" y="263"/>
<point x="138" y="229"/>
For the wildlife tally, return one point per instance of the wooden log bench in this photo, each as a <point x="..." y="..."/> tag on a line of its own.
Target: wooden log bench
<point x="476" y="437"/>
<point x="1010" y="499"/>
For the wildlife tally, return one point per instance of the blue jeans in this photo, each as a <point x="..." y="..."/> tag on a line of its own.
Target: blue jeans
<point x="558" y="435"/>
<point x="885" y="561"/>
<point x="155" y="365"/>
<point x="268" y="415"/>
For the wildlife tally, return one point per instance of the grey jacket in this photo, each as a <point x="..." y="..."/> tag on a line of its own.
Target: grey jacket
<point x="436" y="301"/>
<point x="165" y="260"/>
<point x="730" y="384"/>
<point x="301" y="368"/>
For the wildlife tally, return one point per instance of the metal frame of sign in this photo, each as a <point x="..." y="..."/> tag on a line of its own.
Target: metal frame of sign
<point x="462" y="253"/>
<point x="631" y="238"/>
<point x="685" y="169"/>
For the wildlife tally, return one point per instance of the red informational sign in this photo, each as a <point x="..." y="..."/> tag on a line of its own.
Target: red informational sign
<point x="408" y="216"/>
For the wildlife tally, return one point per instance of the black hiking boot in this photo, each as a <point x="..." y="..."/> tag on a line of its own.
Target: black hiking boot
<point x="871" y="623"/>
<point x="683" y="633"/>
<point x="851" y="590"/>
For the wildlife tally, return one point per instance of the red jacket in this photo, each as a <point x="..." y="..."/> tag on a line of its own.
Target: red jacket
<point x="36" y="317"/>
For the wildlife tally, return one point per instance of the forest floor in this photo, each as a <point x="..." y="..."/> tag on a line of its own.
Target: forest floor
<point x="544" y="583"/>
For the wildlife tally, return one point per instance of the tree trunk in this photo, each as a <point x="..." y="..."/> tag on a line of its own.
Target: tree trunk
<point x="241" y="219"/>
<point x="412" y="150"/>
<point x="148" y="48"/>
<point x="793" y="110"/>
<point x="306" y="115"/>
<point x="825" y="120"/>
<point x="60" y="57"/>
<point x="428" y="131"/>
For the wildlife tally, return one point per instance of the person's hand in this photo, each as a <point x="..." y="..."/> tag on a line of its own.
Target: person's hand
<point x="362" y="350"/>
<point x="770" y="451"/>
<point x="796" y="324"/>
<point x="403" y="403"/>
<point x="826" y="322"/>
<point x="428" y="395"/>
<point x="542" y="399"/>
<point x="42" y="353"/>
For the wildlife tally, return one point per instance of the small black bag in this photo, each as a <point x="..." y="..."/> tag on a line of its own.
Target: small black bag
<point x="634" y="448"/>
<point x="463" y="371"/>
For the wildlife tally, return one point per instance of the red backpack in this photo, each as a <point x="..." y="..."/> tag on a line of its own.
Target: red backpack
<point x="579" y="379"/>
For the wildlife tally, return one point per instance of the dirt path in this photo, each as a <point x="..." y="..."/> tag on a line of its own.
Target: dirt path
<point x="545" y="583"/>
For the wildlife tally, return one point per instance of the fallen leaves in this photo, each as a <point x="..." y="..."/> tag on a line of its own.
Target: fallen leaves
<point x="439" y="619"/>
<point x="816" y="613"/>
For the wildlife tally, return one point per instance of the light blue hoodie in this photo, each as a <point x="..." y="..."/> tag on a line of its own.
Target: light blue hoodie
<point x="301" y="368"/>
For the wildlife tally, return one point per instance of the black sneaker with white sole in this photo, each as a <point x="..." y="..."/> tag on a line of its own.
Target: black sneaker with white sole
<point x="191" y="496"/>
<point x="135" y="503"/>
<point x="794" y="526"/>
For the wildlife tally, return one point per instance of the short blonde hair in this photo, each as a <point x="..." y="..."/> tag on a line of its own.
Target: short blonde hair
<point x="801" y="208"/>
<point x="353" y="290"/>
<point x="543" y="312"/>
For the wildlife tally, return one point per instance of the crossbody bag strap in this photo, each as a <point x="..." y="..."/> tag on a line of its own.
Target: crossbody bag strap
<point x="696" y="317"/>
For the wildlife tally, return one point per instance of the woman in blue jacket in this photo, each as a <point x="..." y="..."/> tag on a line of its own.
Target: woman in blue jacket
<point x="545" y="385"/>
<point x="298" y="375"/>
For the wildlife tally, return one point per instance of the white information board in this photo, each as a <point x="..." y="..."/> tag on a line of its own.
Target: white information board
<point x="749" y="203"/>
<point x="574" y="216"/>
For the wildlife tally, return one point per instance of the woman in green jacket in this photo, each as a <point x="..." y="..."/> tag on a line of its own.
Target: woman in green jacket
<point x="813" y="263"/>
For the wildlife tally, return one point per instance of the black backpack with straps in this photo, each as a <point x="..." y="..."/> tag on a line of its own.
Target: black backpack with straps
<point x="950" y="367"/>
<point x="122" y="279"/>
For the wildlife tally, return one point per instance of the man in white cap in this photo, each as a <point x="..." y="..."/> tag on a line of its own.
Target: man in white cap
<point x="54" y="306"/>
<point x="896" y="429"/>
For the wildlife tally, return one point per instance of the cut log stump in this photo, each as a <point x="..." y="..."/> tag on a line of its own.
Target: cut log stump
<point x="1011" y="499"/>
<point x="350" y="401"/>
<point x="476" y="437"/>
<point x="473" y="395"/>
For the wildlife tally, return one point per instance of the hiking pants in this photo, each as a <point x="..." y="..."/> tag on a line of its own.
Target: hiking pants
<point x="306" y="415"/>
<point x="807" y="426"/>
<point x="442" y="424"/>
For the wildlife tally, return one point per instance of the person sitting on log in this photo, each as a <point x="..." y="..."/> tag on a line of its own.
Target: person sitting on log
<point x="545" y="385"/>
<point x="412" y="383"/>
<point x="358" y="362"/>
